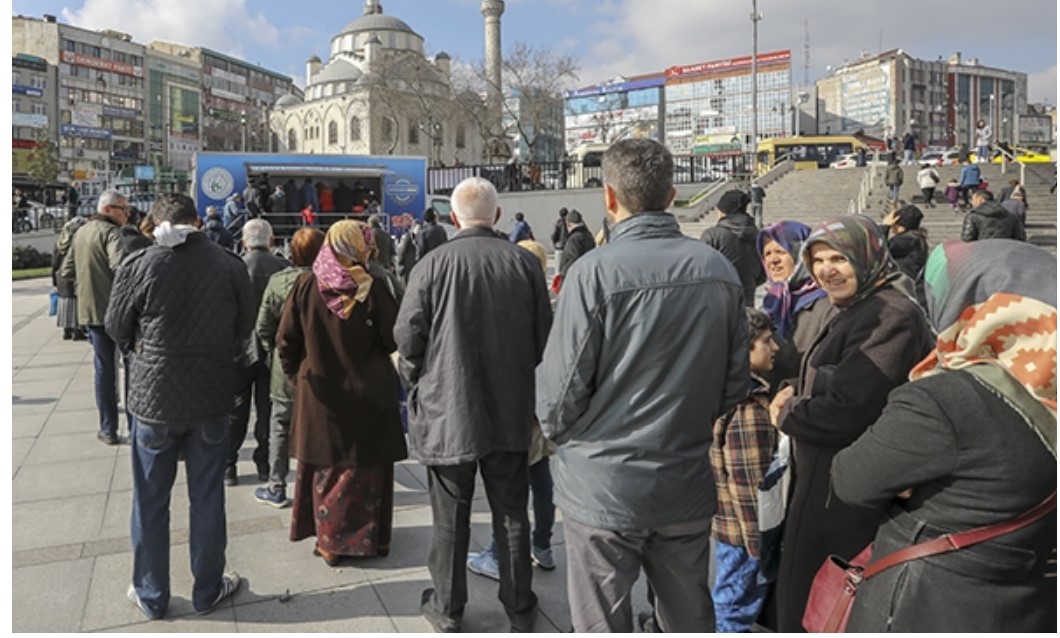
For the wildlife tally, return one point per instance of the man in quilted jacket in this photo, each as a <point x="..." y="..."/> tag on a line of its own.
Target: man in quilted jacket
<point x="180" y="310"/>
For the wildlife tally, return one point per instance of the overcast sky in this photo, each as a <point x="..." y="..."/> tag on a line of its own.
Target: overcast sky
<point x="608" y="37"/>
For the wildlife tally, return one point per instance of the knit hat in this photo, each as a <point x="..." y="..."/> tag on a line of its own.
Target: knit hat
<point x="909" y="217"/>
<point x="734" y="201"/>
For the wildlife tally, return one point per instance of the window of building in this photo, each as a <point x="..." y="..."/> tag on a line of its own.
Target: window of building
<point x="355" y="129"/>
<point x="388" y="129"/>
<point x="461" y="136"/>
<point x="414" y="132"/>
<point x="292" y="140"/>
<point x="333" y="132"/>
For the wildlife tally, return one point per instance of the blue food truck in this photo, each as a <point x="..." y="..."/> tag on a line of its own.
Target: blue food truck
<point x="396" y="186"/>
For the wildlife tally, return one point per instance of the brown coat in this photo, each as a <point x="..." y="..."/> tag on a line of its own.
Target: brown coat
<point x="346" y="390"/>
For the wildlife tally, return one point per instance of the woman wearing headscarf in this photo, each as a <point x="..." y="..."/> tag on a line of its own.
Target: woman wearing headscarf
<point x="793" y="300"/>
<point x="334" y="342"/>
<point x="971" y="441"/>
<point x="876" y="337"/>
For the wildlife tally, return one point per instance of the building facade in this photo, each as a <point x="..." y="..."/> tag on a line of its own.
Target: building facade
<point x="534" y="120"/>
<point x="940" y="101"/>
<point x="378" y="93"/>
<point x="618" y="109"/>
<point x="34" y="96"/>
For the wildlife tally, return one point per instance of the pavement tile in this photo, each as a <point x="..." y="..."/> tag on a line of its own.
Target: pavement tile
<point x="29" y="425"/>
<point x="61" y="480"/>
<point x="351" y="608"/>
<point x="20" y="449"/>
<point x="84" y="421"/>
<point x="65" y="448"/>
<point x="77" y="398"/>
<point x="51" y="597"/>
<point x="60" y="521"/>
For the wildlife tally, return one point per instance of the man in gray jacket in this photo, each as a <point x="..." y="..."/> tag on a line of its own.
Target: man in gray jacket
<point x="470" y="331"/>
<point x="649" y="346"/>
<point x="180" y="310"/>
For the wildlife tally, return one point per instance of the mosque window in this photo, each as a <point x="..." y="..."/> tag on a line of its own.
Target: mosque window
<point x="355" y="129"/>
<point x="333" y="132"/>
<point x="388" y="129"/>
<point x="414" y="133"/>
<point x="461" y="136"/>
<point x="292" y="140"/>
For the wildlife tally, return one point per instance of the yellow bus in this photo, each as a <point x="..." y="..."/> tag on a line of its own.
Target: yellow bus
<point x="808" y="151"/>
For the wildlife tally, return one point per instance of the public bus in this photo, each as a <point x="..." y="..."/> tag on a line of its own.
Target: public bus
<point x="807" y="151"/>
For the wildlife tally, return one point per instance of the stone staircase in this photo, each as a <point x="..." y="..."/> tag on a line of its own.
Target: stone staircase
<point x="811" y="196"/>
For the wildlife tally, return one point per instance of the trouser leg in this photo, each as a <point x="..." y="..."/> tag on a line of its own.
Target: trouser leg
<point x="506" y="480"/>
<point x="676" y="562"/>
<point x="154" y="468"/>
<point x="544" y="508"/>
<point x="263" y="411"/>
<point x="602" y="567"/>
<point x="279" y="450"/>
<point x="104" y="359"/>
<point x="204" y="458"/>
<point x="240" y="414"/>
<point x="451" y="488"/>
<point x="737" y="596"/>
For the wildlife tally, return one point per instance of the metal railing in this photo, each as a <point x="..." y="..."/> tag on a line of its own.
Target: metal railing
<point x="860" y="203"/>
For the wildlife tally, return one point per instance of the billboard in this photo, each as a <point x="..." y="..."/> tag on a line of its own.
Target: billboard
<point x="1035" y="129"/>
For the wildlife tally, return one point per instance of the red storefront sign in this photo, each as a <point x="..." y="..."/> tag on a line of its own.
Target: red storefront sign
<point x="93" y="62"/>
<point x="23" y="144"/>
<point x="727" y="64"/>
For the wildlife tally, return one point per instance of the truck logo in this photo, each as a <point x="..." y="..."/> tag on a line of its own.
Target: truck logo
<point x="217" y="183"/>
<point x="402" y="190"/>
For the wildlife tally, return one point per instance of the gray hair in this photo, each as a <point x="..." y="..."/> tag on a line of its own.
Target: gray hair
<point x="257" y="233"/>
<point x="641" y="172"/>
<point x="110" y="197"/>
<point x="474" y="202"/>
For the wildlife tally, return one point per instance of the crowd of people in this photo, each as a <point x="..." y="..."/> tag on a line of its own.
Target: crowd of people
<point x="645" y="398"/>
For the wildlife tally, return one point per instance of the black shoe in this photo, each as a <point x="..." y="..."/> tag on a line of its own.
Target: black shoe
<point x="442" y="624"/>
<point x="67" y="335"/>
<point x="79" y="336"/>
<point x="523" y="622"/>
<point x="231" y="479"/>
<point x="110" y="438"/>
<point x="263" y="472"/>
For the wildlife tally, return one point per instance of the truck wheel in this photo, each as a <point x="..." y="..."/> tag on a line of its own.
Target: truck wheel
<point x="593" y="182"/>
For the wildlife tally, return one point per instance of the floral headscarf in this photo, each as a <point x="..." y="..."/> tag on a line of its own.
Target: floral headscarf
<point x="860" y="240"/>
<point x="785" y="299"/>
<point x="342" y="280"/>
<point x="994" y="302"/>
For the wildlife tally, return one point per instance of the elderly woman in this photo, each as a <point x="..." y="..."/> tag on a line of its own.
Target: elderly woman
<point x="877" y="336"/>
<point x="793" y="300"/>
<point x="970" y="442"/>
<point x="334" y="341"/>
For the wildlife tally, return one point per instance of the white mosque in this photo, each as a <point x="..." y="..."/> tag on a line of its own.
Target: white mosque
<point x="379" y="94"/>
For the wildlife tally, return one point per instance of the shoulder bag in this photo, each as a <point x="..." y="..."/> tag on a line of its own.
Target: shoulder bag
<point x="837" y="581"/>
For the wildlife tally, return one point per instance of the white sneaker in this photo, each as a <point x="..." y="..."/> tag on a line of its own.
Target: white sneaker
<point x="229" y="584"/>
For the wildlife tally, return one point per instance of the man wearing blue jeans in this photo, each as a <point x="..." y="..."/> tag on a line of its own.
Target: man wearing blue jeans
<point x="182" y="382"/>
<point x="94" y="255"/>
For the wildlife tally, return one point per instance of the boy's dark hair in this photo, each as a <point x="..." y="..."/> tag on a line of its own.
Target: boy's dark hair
<point x="758" y="323"/>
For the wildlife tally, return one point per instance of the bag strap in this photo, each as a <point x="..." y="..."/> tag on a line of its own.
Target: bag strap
<point x="953" y="542"/>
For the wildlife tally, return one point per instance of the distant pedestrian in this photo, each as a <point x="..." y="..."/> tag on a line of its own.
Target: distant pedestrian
<point x="310" y="199"/>
<point x="234" y="212"/>
<point x="758" y="197"/>
<point x="1016" y="206"/>
<point x="73" y="199"/>
<point x="970" y="180"/>
<point x="953" y="193"/>
<point x="215" y="229"/>
<point x="1010" y="190"/>
<point x="95" y="254"/>
<point x="988" y="220"/>
<point x="406" y="252"/>
<point x="908" y="149"/>
<point x="893" y="177"/>
<point x="521" y="230"/>
<point x="430" y="236"/>
<point x="983" y="136"/>
<point x="559" y="231"/>
<point x="579" y="241"/>
<point x="384" y="243"/>
<point x="182" y="382"/>
<point x="66" y="286"/>
<point x="928" y="179"/>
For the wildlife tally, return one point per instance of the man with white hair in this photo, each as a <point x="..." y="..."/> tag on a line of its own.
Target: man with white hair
<point x="253" y="376"/>
<point x="471" y="328"/>
<point x="94" y="255"/>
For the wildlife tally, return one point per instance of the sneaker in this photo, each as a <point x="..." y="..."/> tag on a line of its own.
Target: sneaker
<point x="484" y="564"/>
<point x="269" y="496"/>
<point x="110" y="438"/>
<point x="134" y="598"/>
<point x="229" y="584"/>
<point x="542" y="558"/>
<point x="231" y="478"/>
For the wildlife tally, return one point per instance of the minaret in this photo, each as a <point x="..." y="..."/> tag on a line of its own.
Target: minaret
<point x="372" y="7"/>
<point x="491" y="11"/>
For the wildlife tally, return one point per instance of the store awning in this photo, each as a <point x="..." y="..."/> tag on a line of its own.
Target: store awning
<point x="288" y="169"/>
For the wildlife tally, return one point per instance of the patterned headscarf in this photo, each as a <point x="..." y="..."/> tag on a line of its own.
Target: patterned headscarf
<point x="342" y="280"/>
<point x="860" y="240"/>
<point x="994" y="302"/>
<point x="785" y="299"/>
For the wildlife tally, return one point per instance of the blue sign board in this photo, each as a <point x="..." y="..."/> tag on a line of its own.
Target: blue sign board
<point x="117" y="111"/>
<point x="73" y="130"/>
<point x="146" y="173"/>
<point x="31" y="91"/>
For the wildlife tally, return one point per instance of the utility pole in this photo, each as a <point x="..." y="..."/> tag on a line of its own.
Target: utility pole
<point x="755" y="17"/>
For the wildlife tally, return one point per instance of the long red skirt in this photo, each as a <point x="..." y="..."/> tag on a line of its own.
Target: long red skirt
<point x="349" y="510"/>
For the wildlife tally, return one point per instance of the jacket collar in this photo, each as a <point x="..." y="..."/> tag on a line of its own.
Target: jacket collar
<point x="478" y="231"/>
<point x="647" y="224"/>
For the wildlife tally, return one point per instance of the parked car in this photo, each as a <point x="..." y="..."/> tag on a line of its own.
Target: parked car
<point x="850" y="160"/>
<point x="38" y="216"/>
<point x="940" y="158"/>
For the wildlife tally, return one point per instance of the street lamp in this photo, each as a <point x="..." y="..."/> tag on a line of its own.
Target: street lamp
<point x="243" y="127"/>
<point x="755" y="17"/>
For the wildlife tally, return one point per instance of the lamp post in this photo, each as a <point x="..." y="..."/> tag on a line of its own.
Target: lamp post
<point x="755" y="17"/>
<point x="243" y="129"/>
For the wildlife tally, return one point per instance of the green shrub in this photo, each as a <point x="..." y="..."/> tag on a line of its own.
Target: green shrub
<point x="29" y="257"/>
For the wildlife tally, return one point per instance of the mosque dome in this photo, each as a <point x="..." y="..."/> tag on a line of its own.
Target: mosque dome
<point x="288" y="100"/>
<point x="338" y="70"/>
<point x="376" y="22"/>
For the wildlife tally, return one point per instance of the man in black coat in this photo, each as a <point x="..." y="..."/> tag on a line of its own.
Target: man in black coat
<point x="734" y="236"/>
<point x="579" y="242"/>
<point x="253" y="374"/>
<point x="559" y="232"/>
<point x="988" y="220"/>
<point x="430" y="236"/>
<point x="471" y="329"/>
<point x="176" y="309"/>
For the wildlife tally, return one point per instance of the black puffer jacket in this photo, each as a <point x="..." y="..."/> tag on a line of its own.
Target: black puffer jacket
<point x="182" y="315"/>
<point x="991" y="221"/>
<point x="215" y="229"/>
<point x="734" y="236"/>
<point x="577" y="243"/>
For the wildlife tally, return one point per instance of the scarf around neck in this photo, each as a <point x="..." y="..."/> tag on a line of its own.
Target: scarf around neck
<point x="342" y="280"/>
<point x="785" y="299"/>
